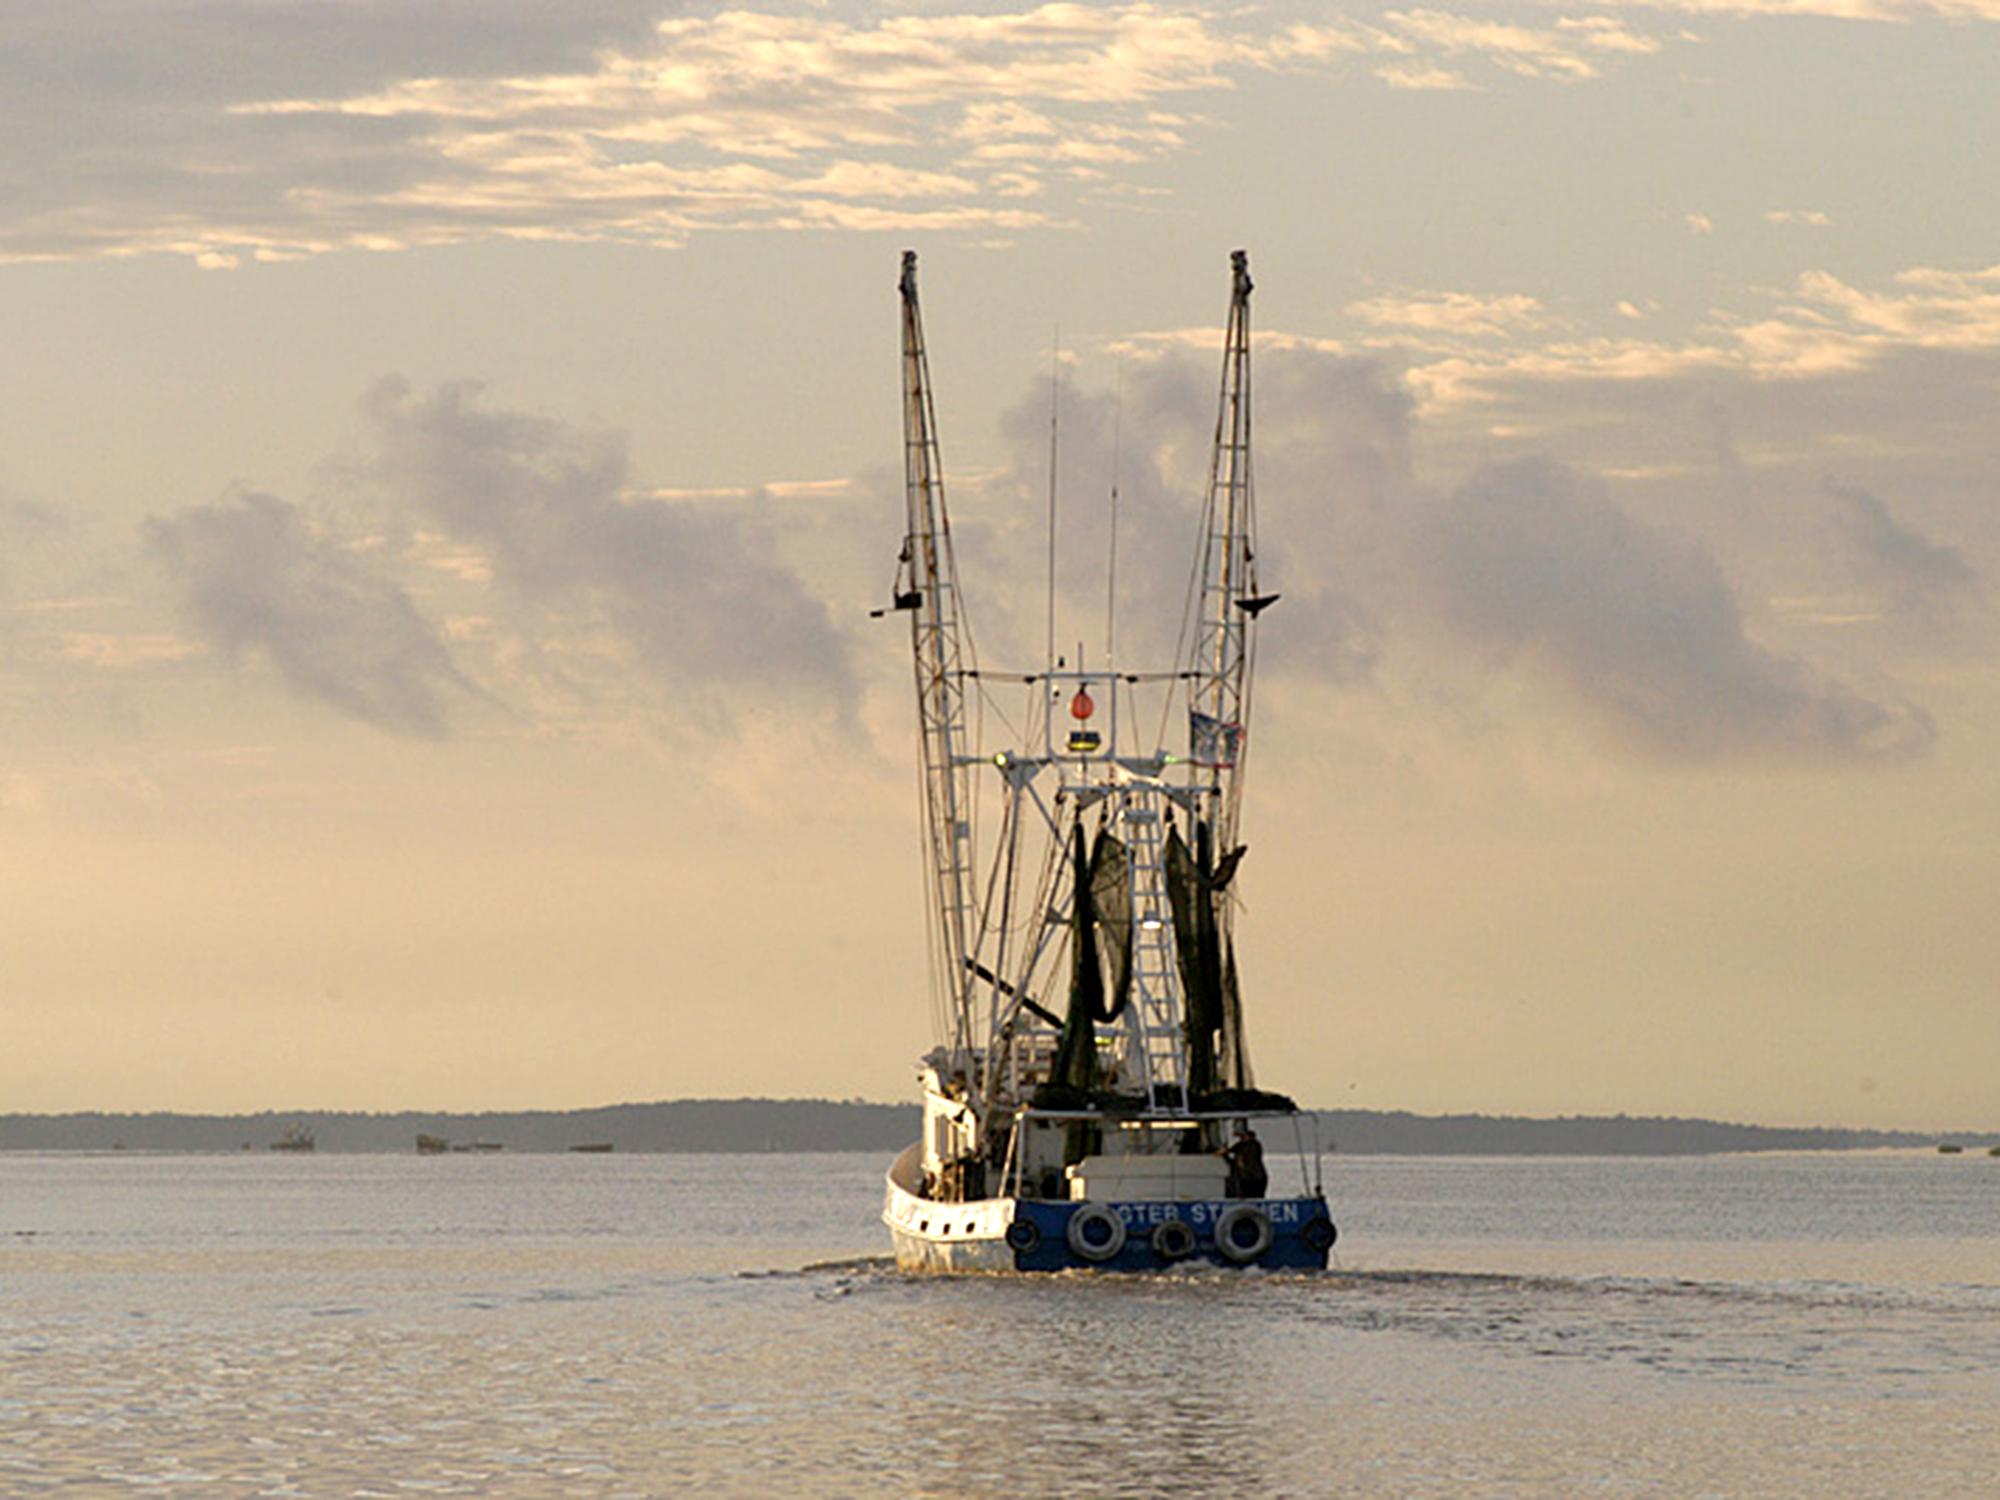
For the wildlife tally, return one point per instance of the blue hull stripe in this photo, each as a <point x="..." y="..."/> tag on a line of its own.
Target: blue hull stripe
<point x="1291" y="1246"/>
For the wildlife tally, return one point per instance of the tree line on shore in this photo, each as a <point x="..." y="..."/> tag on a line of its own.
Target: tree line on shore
<point x="797" y="1125"/>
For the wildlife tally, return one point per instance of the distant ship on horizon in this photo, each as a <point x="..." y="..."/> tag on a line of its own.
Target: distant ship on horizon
<point x="296" y="1138"/>
<point x="437" y="1145"/>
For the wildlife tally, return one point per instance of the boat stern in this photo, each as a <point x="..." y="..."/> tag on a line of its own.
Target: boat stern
<point x="1293" y="1234"/>
<point x="1042" y="1234"/>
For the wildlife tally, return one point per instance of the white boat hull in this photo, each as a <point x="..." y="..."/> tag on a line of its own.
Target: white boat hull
<point x="929" y="1236"/>
<point x="932" y="1236"/>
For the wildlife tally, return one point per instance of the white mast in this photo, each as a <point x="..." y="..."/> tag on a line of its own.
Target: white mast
<point x="928" y="587"/>
<point x="1229" y="603"/>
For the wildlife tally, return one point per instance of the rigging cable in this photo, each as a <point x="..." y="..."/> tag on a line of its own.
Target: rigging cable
<point x="1055" y="403"/>
<point x="1189" y="604"/>
<point x="1111" y="566"/>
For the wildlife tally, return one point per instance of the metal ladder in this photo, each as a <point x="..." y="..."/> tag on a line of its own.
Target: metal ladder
<point x="1156" y="980"/>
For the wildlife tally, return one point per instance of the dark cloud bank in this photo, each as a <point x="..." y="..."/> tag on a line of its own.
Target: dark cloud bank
<point x="1918" y="576"/>
<point x="1529" y="567"/>
<point x="115" y="117"/>
<point x="689" y="592"/>
<point x="690" y="587"/>
<point x="252" y="577"/>
<point x="1533" y="562"/>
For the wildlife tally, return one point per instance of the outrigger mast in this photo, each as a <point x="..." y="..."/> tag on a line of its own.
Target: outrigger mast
<point x="1228" y="604"/>
<point x="927" y="586"/>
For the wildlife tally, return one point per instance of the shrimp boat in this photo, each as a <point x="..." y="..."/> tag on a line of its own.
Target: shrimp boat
<point x="1089" y="1099"/>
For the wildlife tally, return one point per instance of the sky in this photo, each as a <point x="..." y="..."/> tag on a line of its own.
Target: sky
<point x="449" y="450"/>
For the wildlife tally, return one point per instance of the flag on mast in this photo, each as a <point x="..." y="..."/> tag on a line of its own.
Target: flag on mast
<point x="1212" y="741"/>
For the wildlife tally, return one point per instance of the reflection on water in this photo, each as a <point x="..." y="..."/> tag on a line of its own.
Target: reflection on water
<point x="634" y="1327"/>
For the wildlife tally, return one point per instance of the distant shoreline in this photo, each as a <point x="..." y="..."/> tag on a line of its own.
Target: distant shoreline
<point x="706" y="1126"/>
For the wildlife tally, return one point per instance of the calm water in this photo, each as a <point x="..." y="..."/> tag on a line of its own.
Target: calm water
<point x="595" y="1326"/>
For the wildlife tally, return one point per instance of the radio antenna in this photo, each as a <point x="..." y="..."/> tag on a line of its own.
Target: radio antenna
<point x="1111" y="565"/>
<point x="1055" y="404"/>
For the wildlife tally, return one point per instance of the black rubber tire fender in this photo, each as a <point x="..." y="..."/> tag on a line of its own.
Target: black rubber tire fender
<point x="1243" y="1251"/>
<point x="1078" y="1232"/>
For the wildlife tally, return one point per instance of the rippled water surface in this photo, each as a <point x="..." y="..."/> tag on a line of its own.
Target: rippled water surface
<point x="627" y="1325"/>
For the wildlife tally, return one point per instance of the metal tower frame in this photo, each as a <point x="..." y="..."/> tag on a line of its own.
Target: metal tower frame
<point x="1228" y="601"/>
<point x="928" y="588"/>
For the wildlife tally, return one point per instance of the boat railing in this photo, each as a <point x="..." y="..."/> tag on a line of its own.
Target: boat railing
<point x="1308" y="1143"/>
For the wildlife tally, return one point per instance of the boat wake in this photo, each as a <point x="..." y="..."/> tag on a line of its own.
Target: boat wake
<point x="849" y="1266"/>
<point x="1777" y="1334"/>
<point x="1762" y="1333"/>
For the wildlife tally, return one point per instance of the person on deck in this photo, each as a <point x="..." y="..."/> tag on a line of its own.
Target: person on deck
<point x="1247" y="1177"/>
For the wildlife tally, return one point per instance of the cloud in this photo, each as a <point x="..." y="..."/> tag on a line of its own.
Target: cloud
<point x="1919" y="576"/>
<point x="1333" y="448"/>
<point x="1603" y="34"/>
<point x="1932" y="307"/>
<point x="1728" y="434"/>
<point x="740" y="119"/>
<point x="1838" y="10"/>
<point x="237" y="131"/>
<point x="553" y="583"/>
<point x="1812" y="218"/>
<point x="1464" y="314"/>
<point x="119" y="652"/>
<point x="1528" y="569"/>
<point x="147" y="48"/>
<point x="1700" y="224"/>
<point x="1156" y="343"/>
<point x="690" y="592"/>
<point x="116" y="135"/>
<point x="24" y="526"/>
<point x="1557" y="53"/>
<point x="1531" y="562"/>
<point x="253" y="578"/>
<point x="1819" y="328"/>
<point x="1421" y="76"/>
